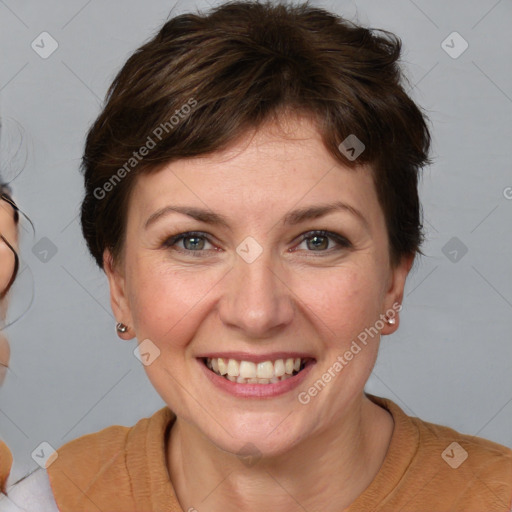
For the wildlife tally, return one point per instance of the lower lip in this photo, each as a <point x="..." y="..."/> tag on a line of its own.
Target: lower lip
<point x="256" y="390"/>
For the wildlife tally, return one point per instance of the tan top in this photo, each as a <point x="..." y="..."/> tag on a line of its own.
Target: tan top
<point x="5" y="465"/>
<point x="123" y="468"/>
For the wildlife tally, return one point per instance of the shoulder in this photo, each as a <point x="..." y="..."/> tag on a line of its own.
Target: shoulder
<point x="5" y="464"/>
<point x="99" y="462"/>
<point x="79" y="461"/>
<point x="479" y="446"/>
<point x="457" y="448"/>
<point x="438" y="465"/>
<point x="478" y="471"/>
<point x="32" y="494"/>
<point x="107" y="445"/>
<point x="449" y="445"/>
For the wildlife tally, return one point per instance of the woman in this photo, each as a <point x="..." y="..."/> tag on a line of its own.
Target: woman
<point x="9" y="219"/>
<point x="251" y="194"/>
<point x="8" y="269"/>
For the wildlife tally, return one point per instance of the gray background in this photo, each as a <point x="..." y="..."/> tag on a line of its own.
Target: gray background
<point x="449" y="363"/>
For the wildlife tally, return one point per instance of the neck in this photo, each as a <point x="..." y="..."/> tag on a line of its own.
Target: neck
<point x="326" y="472"/>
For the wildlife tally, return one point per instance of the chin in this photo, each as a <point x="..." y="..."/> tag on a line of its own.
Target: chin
<point x="263" y="435"/>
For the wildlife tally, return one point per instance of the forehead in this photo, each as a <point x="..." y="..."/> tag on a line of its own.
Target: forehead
<point x="278" y="166"/>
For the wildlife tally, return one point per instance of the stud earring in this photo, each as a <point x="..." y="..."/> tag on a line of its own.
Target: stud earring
<point x="121" y="328"/>
<point x="391" y="321"/>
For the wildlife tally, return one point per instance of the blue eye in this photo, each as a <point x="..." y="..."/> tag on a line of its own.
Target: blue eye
<point x="320" y="241"/>
<point x="192" y="241"/>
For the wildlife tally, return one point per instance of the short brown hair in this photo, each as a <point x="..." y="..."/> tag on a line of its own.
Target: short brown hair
<point x="204" y="80"/>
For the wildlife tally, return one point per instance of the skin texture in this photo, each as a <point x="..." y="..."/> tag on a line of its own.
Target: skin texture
<point x="9" y="230"/>
<point x="293" y="297"/>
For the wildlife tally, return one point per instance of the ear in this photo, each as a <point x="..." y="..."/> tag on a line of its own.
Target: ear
<point x="118" y="297"/>
<point x="395" y="293"/>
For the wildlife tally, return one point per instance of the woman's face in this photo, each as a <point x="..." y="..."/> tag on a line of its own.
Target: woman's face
<point x="8" y="230"/>
<point x="254" y="284"/>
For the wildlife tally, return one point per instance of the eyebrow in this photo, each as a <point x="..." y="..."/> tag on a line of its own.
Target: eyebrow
<point x="291" y="218"/>
<point x="199" y="214"/>
<point x="314" y="212"/>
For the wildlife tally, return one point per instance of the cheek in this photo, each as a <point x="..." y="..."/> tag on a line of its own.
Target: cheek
<point x="344" y="301"/>
<point x="166" y="303"/>
<point x="6" y="265"/>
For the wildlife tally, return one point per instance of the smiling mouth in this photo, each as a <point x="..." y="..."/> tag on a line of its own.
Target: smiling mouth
<point x="248" y="372"/>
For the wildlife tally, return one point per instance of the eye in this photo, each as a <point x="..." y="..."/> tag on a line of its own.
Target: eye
<point x="321" y="241"/>
<point x="196" y="242"/>
<point x="192" y="241"/>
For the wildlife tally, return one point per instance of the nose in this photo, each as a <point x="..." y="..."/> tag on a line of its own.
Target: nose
<point x="257" y="300"/>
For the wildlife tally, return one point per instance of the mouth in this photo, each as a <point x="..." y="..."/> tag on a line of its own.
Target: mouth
<point x="266" y="372"/>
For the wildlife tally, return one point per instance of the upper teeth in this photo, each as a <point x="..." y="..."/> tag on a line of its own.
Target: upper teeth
<point x="250" y="370"/>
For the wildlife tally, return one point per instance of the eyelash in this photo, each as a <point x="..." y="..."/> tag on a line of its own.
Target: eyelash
<point x="341" y="241"/>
